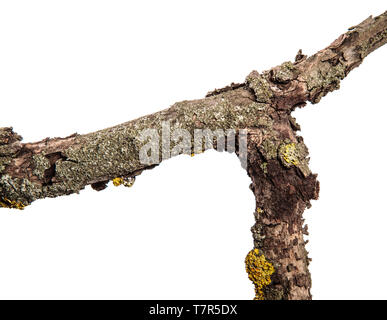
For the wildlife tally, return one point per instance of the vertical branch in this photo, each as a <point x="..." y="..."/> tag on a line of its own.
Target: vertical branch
<point x="282" y="193"/>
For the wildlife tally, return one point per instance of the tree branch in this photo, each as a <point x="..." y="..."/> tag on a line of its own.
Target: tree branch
<point x="277" y="159"/>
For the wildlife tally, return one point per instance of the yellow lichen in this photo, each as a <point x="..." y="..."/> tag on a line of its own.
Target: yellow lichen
<point x="118" y="181"/>
<point x="289" y="153"/>
<point x="259" y="210"/>
<point x="193" y="153"/>
<point x="6" y="203"/>
<point x="259" y="271"/>
<point x="126" y="181"/>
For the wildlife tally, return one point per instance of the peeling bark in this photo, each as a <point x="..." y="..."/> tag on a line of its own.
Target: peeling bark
<point x="277" y="159"/>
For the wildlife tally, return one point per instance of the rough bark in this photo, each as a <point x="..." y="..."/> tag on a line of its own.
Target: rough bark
<point x="277" y="157"/>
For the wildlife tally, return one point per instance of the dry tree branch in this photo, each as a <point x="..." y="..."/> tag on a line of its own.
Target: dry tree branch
<point x="277" y="159"/>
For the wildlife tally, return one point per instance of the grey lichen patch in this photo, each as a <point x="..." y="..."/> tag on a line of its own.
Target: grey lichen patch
<point x="258" y="234"/>
<point x="4" y="161"/>
<point x="104" y="154"/>
<point x="40" y="163"/>
<point x="9" y="146"/>
<point x="260" y="85"/>
<point x="284" y="73"/>
<point x="71" y="174"/>
<point x="269" y="148"/>
<point x="220" y="112"/>
<point x="60" y="189"/>
<point x="265" y="121"/>
<point x="18" y="190"/>
<point x="322" y="80"/>
<point x="18" y="193"/>
<point x="8" y="149"/>
<point x="14" y="193"/>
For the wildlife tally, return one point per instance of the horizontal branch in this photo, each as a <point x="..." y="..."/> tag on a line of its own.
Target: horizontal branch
<point x="58" y="166"/>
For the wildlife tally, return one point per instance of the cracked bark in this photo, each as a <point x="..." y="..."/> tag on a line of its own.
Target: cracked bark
<point x="277" y="160"/>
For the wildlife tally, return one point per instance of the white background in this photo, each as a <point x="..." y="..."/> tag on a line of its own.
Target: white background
<point x="183" y="230"/>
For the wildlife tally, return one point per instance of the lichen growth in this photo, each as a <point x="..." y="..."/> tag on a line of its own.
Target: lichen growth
<point x="259" y="271"/>
<point x="294" y="154"/>
<point x="125" y="181"/>
<point x="4" y="161"/>
<point x="193" y="152"/>
<point x="258" y="232"/>
<point x="118" y="181"/>
<point x="21" y="191"/>
<point x="264" y="167"/>
<point x="114" y="152"/>
<point x="324" y="79"/>
<point x="288" y="152"/>
<point x="11" y="204"/>
<point x="9" y="146"/>
<point x="269" y="149"/>
<point x="41" y="163"/>
<point x="285" y="72"/>
<point x="259" y="84"/>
